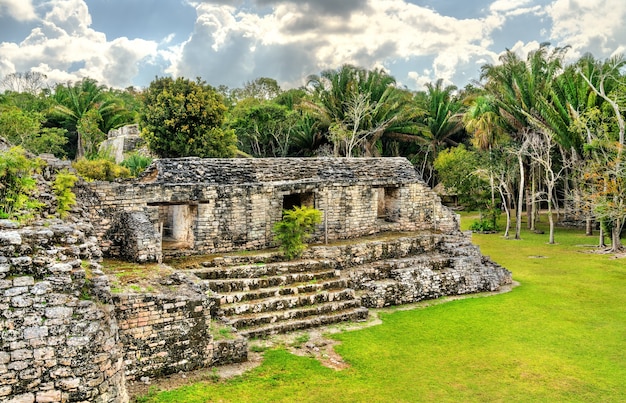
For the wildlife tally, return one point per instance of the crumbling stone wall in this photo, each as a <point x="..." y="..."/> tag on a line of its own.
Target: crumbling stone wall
<point x="235" y="202"/>
<point x="168" y="333"/>
<point x="123" y="140"/>
<point x="58" y="332"/>
<point x="134" y="238"/>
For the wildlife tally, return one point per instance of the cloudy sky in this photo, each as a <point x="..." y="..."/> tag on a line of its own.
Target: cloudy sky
<point x="128" y="42"/>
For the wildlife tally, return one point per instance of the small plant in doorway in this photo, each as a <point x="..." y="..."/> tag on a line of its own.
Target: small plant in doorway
<point x="295" y="227"/>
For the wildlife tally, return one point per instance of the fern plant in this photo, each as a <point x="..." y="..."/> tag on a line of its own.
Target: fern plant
<point x="295" y="227"/>
<point x="17" y="184"/>
<point x="62" y="187"/>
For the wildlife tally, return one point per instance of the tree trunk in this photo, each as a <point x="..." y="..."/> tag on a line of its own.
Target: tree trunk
<point x="505" y="203"/>
<point x="551" y="220"/>
<point x="530" y="204"/>
<point x="616" y="243"/>
<point x="80" y="147"/>
<point x="520" y="200"/>
<point x="588" y="226"/>
<point x="601" y="243"/>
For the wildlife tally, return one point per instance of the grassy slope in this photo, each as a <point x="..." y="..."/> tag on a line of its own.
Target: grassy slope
<point x="559" y="336"/>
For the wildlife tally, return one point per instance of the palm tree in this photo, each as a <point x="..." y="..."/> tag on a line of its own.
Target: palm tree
<point x="517" y="87"/>
<point x="487" y="128"/>
<point x="358" y="108"/>
<point x="74" y="108"/>
<point x="439" y="122"/>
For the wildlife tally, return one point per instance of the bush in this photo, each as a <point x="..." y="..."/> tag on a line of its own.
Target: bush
<point x="17" y="184"/>
<point x="295" y="227"/>
<point x="483" y="225"/>
<point x="100" y="169"/>
<point x="63" y="190"/>
<point x="136" y="163"/>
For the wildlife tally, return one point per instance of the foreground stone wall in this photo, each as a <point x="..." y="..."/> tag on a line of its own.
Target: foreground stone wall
<point x="164" y="334"/>
<point x="58" y="332"/>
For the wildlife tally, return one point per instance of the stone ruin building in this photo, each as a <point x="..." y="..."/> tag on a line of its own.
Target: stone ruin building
<point x="192" y="206"/>
<point x="385" y="239"/>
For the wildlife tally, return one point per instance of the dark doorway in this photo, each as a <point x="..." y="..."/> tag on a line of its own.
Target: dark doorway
<point x="298" y="199"/>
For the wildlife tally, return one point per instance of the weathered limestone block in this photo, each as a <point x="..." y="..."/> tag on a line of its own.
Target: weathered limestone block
<point x="50" y="331"/>
<point x="166" y="333"/>
<point x="135" y="237"/>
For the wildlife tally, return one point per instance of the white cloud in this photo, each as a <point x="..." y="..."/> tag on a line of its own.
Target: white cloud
<point x="64" y="47"/>
<point x="383" y="31"/>
<point x="21" y="10"/>
<point x="290" y="39"/>
<point x="507" y="5"/>
<point x="589" y="25"/>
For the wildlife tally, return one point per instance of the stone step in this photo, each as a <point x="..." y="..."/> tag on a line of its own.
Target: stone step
<point x="246" y="284"/>
<point x="345" y="315"/>
<point x="238" y="260"/>
<point x="384" y="293"/>
<point x="293" y="289"/>
<point x="394" y="268"/>
<point x="265" y="318"/>
<point x="261" y="269"/>
<point x="282" y="303"/>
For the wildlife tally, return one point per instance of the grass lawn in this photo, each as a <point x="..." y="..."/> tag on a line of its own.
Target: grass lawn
<point x="559" y="336"/>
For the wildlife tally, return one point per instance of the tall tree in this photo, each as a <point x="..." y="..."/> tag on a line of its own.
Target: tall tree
<point x="483" y="122"/>
<point x="518" y="87"/>
<point x="263" y="128"/>
<point x="182" y="118"/>
<point x="30" y="82"/>
<point x="439" y="121"/>
<point x="358" y="107"/>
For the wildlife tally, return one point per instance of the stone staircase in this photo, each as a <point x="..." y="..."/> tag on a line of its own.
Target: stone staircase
<point x="260" y="295"/>
<point x="260" y="299"/>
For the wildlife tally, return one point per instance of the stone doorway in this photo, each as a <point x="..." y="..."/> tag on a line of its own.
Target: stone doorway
<point x="298" y="199"/>
<point x="388" y="203"/>
<point x="177" y="223"/>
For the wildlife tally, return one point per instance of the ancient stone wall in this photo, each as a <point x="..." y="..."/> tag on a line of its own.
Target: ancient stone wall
<point x="225" y="206"/>
<point x="168" y="333"/>
<point x="122" y="140"/>
<point x="58" y="332"/>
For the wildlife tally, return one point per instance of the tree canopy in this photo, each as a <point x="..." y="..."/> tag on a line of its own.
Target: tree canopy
<point x="183" y="118"/>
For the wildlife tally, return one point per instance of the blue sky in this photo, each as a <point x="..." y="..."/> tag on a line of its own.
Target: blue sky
<point x="229" y="42"/>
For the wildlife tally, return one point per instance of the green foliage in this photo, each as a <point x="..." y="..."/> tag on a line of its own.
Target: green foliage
<point x="295" y="227"/>
<point x="100" y="169"/>
<point x="136" y="163"/>
<point x="182" y="118"/>
<point x="87" y="111"/>
<point x="63" y="184"/>
<point x="483" y="225"/>
<point x="458" y="168"/>
<point x="365" y="103"/>
<point x="89" y="127"/>
<point x="23" y="128"/>
<point x="17" y="184"/>
<point x="263" y="128"/>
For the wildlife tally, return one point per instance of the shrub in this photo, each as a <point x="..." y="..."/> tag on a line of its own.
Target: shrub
<point x="136" y="163"/>
<point x="295" y="227"/>
<point x="483" y="225"/>
<point x="100" y="169"/>
<point x="63" y="190"/>
<point x="17" y="184"/>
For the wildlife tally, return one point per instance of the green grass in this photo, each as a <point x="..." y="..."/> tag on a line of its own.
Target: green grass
<point x="559" y="336"/>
